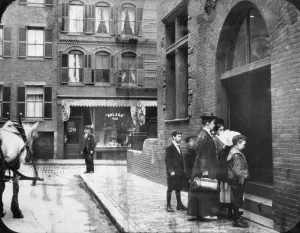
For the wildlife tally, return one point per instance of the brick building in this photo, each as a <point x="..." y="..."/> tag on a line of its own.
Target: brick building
<point x="28" y="76"/>
<point x="239" y="60"/>
<point x="106" y="75"/>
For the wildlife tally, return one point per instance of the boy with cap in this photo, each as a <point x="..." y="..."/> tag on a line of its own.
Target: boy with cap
<point x="175" y="171"/>
<point x="237" y="173"/>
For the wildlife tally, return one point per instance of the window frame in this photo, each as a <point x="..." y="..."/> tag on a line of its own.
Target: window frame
<point x="130" y="5"/>
<point x="130" y="70"/>
<point x="36" y="3"/>
<point x="76" y="3"/>
<point x="108" y="69"/>
<point x="99" y="5"/>
<point x="26" y="102"/>
<point x="1" y="40"/>
<point x="27" y="39"/>
<point x="81" y="69"/>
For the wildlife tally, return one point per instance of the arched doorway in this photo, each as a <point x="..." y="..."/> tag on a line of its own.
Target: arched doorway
<point x="244" y="73"/>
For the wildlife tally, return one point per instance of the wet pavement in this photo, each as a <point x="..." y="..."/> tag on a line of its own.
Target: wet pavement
<point x="138" y="205"/>
<point x="58" y="205"/>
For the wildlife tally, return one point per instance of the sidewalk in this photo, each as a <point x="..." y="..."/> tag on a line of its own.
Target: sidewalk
<point x="75" y="162"/>
<point x="138" y="205"/>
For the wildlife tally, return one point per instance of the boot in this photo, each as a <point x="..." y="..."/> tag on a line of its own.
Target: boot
<point x="180" y="206"/>
<point x="237" y="220"/>
<point x="169" y="207"/>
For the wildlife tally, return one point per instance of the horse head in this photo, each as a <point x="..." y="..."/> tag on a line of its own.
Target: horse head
<point x="12" y="143"/>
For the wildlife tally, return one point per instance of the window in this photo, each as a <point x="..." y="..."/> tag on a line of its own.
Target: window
<point x="35" y="43"/>
<point x="102" y="71"/>
<point x="1" y="42"/>
<point x="5" y="101"/>
<point x="102" y="18"/>
<point x="76" y="17"/>
<point x="36" y="1"/>
<point x="251" y="43"/>
<point x="35" y="102"/>
<point x="128" y="19"/>
<point x="129" y="69"/>
<point x="75" y="64"/>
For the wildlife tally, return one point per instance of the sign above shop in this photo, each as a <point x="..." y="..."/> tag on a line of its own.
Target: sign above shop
<point x="114" y="116"/>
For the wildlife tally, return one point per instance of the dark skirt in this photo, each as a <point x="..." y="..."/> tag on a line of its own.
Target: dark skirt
<point x="201" y="204"/>
<point x="175" y="182"/>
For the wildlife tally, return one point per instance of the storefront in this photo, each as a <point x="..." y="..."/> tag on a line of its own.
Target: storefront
<point x="114" y="123"/>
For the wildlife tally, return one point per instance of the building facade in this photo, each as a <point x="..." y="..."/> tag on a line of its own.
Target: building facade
<point x="240" y="61"/>
<point x="107" y="68"/>
<point x="28" y="62"/>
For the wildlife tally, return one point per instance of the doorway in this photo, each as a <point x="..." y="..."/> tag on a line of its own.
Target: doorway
<point x="73" y="132"/>
<point x="250" y="114"/>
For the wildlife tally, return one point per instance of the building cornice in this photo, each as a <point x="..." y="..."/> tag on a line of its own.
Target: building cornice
<point x="139" y="43"/>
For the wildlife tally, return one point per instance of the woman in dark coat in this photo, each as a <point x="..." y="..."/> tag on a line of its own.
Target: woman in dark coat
<point x="205" y="205"/>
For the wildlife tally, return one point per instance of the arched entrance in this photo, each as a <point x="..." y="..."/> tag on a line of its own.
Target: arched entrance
<point x="244" y="77"/>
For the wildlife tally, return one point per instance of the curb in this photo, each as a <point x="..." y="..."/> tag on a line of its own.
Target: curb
<point x="114" y="215"/>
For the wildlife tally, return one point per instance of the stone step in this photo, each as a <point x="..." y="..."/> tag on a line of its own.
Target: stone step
<point x="259" y="189"/>
<point x="258" y="205"/>
<point x="259" y="219"/>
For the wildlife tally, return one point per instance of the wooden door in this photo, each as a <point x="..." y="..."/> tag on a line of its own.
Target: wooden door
<point x="250" y="114"/>
<point x="74" y="132"/>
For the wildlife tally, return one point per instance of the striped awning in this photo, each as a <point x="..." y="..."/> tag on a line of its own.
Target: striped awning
<point x="68" y="103"/>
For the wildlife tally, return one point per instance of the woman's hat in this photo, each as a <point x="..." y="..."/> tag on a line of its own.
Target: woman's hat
<point x="208" y="116"/>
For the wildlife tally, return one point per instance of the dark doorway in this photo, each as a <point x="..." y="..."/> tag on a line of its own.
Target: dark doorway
<point x="250" y="114"/>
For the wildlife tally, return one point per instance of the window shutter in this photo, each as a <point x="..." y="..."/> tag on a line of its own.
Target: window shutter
<point x="22" y="1"/>
<point x="49" y="2"/>
<point x="65" y="17"/>
<point x="112" y="21"/>
<point x="117" y="24"/>
<point x="87" y="71"/>
<point x="6" y="102"/>
<point x="113" y="71"/>
<point x="22" y="42"/>
<point x="21" y="102"/>
<point x="140" y="71"/>
<point x="139" y="20"/>
<point x="48" y="43"/>
<point x="48" y="102"/>
<point x="64" y="68"/>
<point x="89" y="19"/>
<point x="6" y="41"/>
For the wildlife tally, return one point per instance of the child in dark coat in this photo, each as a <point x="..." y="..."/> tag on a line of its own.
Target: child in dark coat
<point x="237" y="174"/>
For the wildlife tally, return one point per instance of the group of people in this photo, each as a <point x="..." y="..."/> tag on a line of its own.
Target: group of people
<point x="213" y="154"/>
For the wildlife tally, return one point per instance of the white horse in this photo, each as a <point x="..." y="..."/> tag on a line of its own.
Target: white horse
<point x="14" y="153"/>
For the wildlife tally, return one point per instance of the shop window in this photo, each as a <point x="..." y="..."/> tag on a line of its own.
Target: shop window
<point x="35" y="42"/>
<point x="75" y="67"/>
<point x="76" y="16"/>
<point x="252" y="41"/>
<point x="128" y="19"/>
<point x="102" y="71"/>
<point x="129" y="68"/>
<point x="102" y="18"/>
<point x="35" y="102"/>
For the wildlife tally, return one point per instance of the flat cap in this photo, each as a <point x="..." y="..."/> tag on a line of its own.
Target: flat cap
<point x="237" y="138"/>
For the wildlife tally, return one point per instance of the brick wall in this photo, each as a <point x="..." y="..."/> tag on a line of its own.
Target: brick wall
<point x="205" y="68"/>
<point x="14" y="71"/>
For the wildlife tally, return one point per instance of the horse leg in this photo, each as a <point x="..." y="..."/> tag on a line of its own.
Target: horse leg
<point x="17" y="213"/>
<point x="2" y="211"/>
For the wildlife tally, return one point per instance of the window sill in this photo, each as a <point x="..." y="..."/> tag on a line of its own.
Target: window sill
<point x="102" y="84"/>
<point x="36" y="5"/>
<point x="76" y="34"/>
<point x="35" y="59"/>
<point x="33" y="120"/>
<point x="103" y="35"/>
<point x="177" y="120"/>
<point x="75" y="84"/>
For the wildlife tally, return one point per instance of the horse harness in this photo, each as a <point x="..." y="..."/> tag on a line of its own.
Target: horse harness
<point x="15" y="164"/>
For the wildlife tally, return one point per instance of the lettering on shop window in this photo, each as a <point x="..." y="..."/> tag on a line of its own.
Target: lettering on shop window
<point x="114" y="116"/>
<point x="72" y="130"/>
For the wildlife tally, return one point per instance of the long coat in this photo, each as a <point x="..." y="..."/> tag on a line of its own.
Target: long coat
<point x="202" y="204"/>
<point x="174" y="163"/>
<point x="90" y="143"/>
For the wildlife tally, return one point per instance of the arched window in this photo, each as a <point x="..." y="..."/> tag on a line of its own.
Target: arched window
<point x="129" y="68"/>
<point x="251" y="43"/>
<point x="102" y="67"/>
<point x="128" y="19"/>
<point x="102" y="18"/>
<point x="76" y="16"/>
<point x="75" y="65"/>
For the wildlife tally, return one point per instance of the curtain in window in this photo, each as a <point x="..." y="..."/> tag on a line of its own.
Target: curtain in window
<point x="102" y="67"/>
<point x="128" y="20"/>
<point x="76" y="18"/>
<point x="128" y="68"/>
<point x="102" y="19"/>
<point x="34" y="106"/>
<point x="75" y="67"/>
<point x="35" y="43"/>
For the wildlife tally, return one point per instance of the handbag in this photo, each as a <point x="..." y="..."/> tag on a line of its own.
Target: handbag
<point x="204" y="184"/>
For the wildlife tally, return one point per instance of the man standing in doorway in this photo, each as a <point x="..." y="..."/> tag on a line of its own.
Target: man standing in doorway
<point x="175" y="171"/>
<point x="88" y="149"/>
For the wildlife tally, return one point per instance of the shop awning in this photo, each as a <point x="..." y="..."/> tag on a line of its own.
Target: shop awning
<point x="133" y="104"/>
